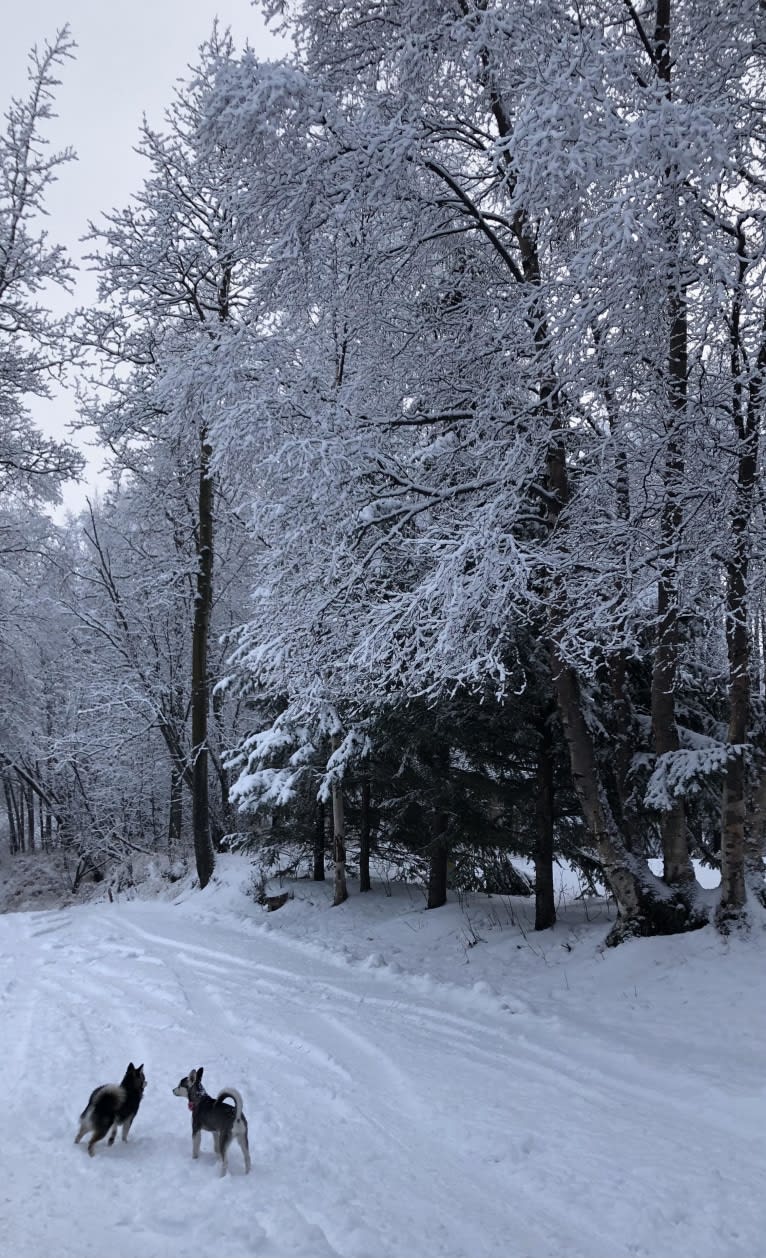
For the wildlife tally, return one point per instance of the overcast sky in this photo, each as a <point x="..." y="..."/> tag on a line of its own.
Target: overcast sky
<point x="129" y="55"/>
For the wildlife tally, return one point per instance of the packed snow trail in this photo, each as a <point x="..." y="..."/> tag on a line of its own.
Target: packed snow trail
<point x="390" y="1115"/>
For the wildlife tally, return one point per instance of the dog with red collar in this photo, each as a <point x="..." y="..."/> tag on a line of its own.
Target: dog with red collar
<point x="224" y="1122"/>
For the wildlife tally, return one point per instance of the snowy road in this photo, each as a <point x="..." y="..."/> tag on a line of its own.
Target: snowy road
<point x="390" y="1115"/>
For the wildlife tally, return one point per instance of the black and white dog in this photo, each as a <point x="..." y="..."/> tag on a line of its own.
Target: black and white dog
<point x="112" y="1105"/>
<point x="225" y="1122"/>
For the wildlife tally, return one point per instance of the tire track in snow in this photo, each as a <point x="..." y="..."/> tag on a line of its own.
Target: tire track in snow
<point x="527" y="1058"/>
<point x="68" y="981"/>
<point x="435" y="1095"/>
<point x="395" y="1017"/>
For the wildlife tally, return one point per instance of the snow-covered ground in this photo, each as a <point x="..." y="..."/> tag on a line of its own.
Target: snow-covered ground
<point x="417" y="1084"/>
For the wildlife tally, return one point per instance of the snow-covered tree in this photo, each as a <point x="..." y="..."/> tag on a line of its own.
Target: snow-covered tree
<point x="32" y="346"/>
<point x="172" y="275"/>
<point x="496" y="238"/>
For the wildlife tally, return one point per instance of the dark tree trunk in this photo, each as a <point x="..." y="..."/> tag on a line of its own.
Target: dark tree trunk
<point x="18" y="809"/>
<point x="200" y="696"/>
<point x="222" y="774"/>
<point x="364" y="837"/>
<point x="29" y="799"/>
<point x="678" y="868"/>
<point x="677" y="863"/>
<point x="203" y="606"/>
<point x="340" y="888"/>
<point x="13" y="834"/>
<point x="175" y="811"/>
<point x="319" y="843"/>
<point x="36" y="802"/>
<point x="545" y="903"/>
<point x="621" y="725"/>
<point x="438" y="862"/>
<point x="620" y="732"/>
<point x="741" y="848"/>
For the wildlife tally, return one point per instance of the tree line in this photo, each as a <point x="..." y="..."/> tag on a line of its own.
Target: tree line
<point x="429" y="360"/>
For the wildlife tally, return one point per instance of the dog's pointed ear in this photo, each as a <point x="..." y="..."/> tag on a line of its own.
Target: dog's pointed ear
<point x="199" y="1073"/>
<point x="139" y="1069"/>
<point x="131" y="1067"/>
<point x="192" y="1076"/>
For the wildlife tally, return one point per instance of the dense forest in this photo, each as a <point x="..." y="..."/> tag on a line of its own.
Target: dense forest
<point x="428" y="363"/>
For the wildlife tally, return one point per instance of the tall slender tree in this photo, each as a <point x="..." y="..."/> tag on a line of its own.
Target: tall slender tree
<point x="171" y="279"/>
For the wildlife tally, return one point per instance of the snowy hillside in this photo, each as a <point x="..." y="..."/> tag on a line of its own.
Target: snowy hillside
<point x="442" y="1085"/>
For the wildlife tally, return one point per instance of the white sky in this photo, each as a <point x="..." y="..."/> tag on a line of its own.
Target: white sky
<point x="130" y="54"/>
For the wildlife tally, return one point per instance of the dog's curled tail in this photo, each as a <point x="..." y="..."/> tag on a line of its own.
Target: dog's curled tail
<point x="234" y="1096"/>
<point x="113" y="1091"/>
